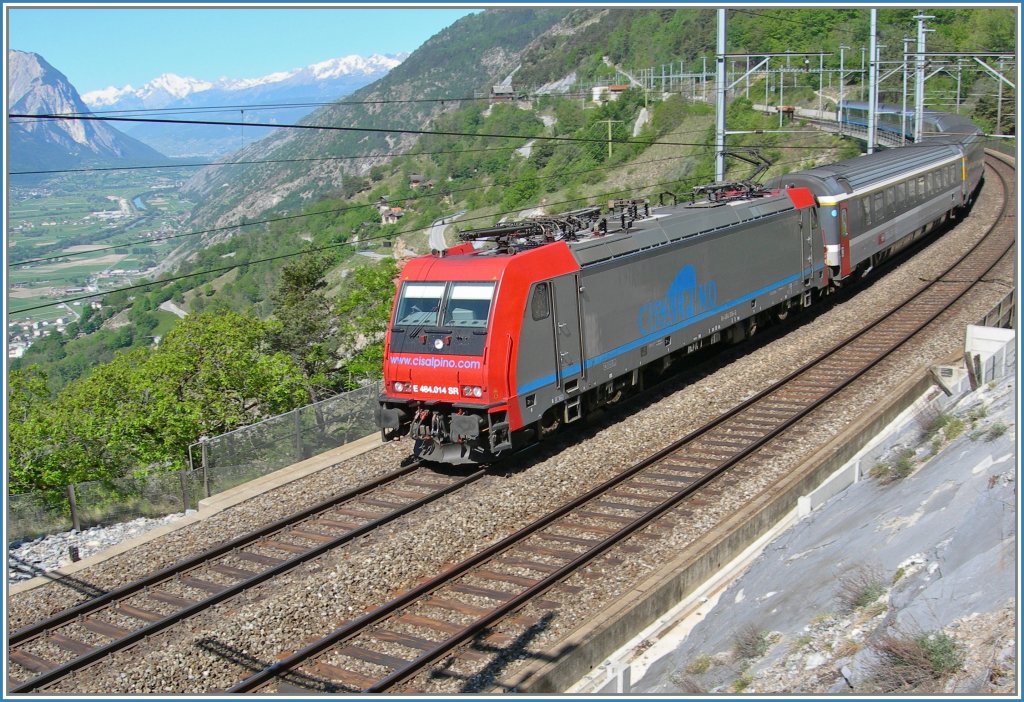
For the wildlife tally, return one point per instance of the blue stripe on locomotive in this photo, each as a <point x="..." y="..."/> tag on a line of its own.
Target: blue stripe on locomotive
<point x="591" y="362"/>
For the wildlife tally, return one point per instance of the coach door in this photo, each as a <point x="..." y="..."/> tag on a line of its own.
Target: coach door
<point x="808" y="229"/>
<point x="568" y="343"/>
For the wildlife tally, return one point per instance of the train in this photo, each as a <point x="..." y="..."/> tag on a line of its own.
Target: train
<point x="890" y="119"/>
<point x="528" y="326"/>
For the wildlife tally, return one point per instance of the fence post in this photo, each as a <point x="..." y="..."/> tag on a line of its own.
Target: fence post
<point x="206" y="471"/>
<point x="298" y="435"/>
<point x="184" y="489"/>
<point x="75" y="526"/>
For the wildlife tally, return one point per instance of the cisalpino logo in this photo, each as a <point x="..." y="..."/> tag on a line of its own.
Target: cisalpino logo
<point x="686" y="298"/>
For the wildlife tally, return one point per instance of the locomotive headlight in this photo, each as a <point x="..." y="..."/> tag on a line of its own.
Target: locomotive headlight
<point x="399" y="387"/>
<point x="472" y="391"/>
<point x="478" y="392"/>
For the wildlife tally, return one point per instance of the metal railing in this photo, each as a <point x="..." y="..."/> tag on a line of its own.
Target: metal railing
<point x="253" y="451"/>
<point x="100" y="503"/>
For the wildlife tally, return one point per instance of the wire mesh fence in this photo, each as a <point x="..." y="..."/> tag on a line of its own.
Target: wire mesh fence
<point x="101" y="503"/>
<point x="226" y="461"/>
<point x="253" y="451"/>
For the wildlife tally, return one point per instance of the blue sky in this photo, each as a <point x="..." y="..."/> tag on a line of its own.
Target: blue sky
<point x="99" y="47"/>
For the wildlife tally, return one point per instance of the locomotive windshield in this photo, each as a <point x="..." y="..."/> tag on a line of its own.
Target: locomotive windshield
<point x="457" y="304"/>
<point x="419" y="303"/>
<point x="468" y="304"/>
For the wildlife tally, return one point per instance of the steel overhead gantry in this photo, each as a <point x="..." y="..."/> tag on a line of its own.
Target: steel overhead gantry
<point x="723" y="88"/>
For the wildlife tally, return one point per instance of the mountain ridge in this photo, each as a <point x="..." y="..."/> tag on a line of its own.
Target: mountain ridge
<point x="474" y="53"/>
<point x="171" y="85"/>
<point x="36" y="87"/>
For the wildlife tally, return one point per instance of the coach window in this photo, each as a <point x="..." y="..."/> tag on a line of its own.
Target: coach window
<point x="865" y="206"/>
<point x="878" y="206"/>
<point x="540" y="306"/>
<point x="890" y="200"/>
<point x="901" y="196"/>
<point x="912" y="191"/>
<point x="922" y="188"/>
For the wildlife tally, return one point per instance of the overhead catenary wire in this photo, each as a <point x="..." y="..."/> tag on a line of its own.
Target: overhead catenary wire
<point x="219" y="164"/>
<point x="327" y="247"/>
<point x="373" y="130"/>
<point x="156" y="240"/>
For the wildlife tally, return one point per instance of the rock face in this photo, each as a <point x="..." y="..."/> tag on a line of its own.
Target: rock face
<point x="928" y="560"/>
<point x="36" y="87"/>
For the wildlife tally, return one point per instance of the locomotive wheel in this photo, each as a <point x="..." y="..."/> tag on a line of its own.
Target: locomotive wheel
<point x="751" y="326"/>
<point x="549" y="423"/>
<point x="781" y="312"/>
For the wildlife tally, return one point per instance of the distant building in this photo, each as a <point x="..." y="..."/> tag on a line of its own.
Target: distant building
<point x="603" y="93"/>
<point x="391" y="216"/>
<point x="502" y="93"/>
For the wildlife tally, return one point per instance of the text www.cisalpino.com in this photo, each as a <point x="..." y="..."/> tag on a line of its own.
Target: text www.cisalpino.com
<point x="434" y="362"/>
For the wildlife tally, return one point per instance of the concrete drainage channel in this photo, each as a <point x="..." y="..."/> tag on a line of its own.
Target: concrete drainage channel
<point x="598" y="657"/>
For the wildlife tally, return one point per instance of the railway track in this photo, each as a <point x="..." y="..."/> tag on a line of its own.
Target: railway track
<point x="63" y="644"/>
<point x="392" y="644"/>
<point x="52" y="649"/>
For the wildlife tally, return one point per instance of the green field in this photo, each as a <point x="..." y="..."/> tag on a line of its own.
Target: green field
<point x="62" y="218"/>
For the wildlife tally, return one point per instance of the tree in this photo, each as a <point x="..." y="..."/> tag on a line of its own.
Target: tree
<point x="365" y="310"/>
<point x="307" y="323"/>
<point x="139" y="412"/>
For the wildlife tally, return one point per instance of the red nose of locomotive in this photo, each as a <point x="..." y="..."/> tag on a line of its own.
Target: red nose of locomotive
<point x="438" y="385"/>
<point x="453" y="349"/>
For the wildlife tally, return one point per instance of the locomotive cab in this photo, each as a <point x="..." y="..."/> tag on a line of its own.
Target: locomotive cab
<point x="436" y="380"/>
<point x="452" y="347"/>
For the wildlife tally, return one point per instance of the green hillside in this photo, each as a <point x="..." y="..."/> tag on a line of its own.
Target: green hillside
<point x="312" y="325"/>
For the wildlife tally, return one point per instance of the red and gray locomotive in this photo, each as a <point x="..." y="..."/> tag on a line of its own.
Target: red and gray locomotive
<point x="527" y="326"/>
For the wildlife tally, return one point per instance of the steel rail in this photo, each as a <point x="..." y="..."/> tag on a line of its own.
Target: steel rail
<point x="28" y="633"/>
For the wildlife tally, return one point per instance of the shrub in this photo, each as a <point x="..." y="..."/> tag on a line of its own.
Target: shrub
<point x="752" y="642"/>
<point x="915" y="662"/>
<point x="860" y="587"/>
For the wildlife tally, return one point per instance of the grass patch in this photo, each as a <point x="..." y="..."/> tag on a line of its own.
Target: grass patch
<point x="903" y="466"/>
<point x="977" y="413"/>
<point x="742" y="682"/>
<point x="915" y="663"/>
<point x="859" y="587"/>
<point x="848" y="648"/>
<point x="800" y="642"/>
<point x="699" y="665"/>
<point x="995" y="431"/>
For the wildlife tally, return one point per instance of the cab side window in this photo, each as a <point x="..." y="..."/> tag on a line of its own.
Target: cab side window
<point x="540" y="304"/>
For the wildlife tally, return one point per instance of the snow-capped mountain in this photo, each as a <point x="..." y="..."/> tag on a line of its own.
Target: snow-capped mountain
<point x="36" y="87"/>
<point x="320" y="82"/>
